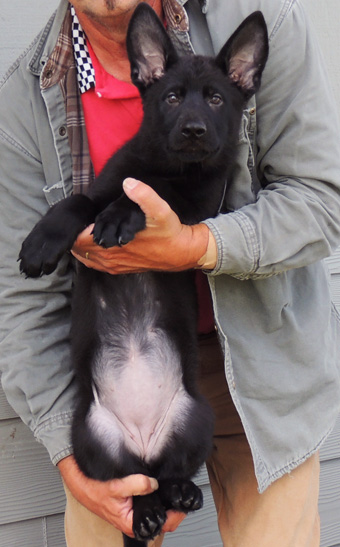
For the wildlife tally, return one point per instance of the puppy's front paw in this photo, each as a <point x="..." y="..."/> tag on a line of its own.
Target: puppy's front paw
<point x="39" y="255"/>
<point x="54" y="234"/>
<point x="118" y="224"/>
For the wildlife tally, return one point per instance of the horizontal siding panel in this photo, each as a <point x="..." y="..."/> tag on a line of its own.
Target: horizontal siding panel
<point x="335" y="289"/>
<point x="55" y="531"/>
<point x="23" y="534"/>
<point x="329" y="503"/>
<point x="6" y="411"/>
<point x="41" y="532"/>
<point x="331" y="448"/>
<point x="331" y="538"/>
<point x="30" y="485"/>
<point x="333" y="262"/>
<point x="202" y="477"/>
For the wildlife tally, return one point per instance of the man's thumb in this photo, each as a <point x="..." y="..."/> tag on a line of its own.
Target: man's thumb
<point x="135" y="485"/>
<point x="148" y="200"/>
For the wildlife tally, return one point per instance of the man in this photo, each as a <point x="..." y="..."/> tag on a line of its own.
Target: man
<point x="272" y="310"/>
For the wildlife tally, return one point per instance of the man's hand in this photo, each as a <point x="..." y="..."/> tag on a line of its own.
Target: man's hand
<point x="112" y="500"/>
<point x="166" y="244"/>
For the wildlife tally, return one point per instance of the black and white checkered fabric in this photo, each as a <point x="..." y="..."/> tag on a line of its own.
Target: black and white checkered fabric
<point x="85" y="70"/>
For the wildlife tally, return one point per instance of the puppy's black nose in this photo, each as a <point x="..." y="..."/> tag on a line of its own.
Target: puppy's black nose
<point x="194" y="129"/>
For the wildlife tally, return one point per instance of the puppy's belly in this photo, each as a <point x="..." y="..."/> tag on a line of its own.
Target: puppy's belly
<point x="140" y="402"/>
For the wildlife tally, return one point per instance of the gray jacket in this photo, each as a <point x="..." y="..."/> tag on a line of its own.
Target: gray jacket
<point x="279" y="330"/>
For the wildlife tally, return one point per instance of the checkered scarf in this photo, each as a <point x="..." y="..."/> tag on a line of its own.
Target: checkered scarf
<point x="85" y="70"/>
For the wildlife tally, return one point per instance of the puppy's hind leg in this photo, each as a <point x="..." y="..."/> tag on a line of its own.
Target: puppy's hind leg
<point x="132" y="542"/>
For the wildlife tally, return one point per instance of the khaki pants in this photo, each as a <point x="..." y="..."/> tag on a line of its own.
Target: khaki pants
<point x="285" y="515"/>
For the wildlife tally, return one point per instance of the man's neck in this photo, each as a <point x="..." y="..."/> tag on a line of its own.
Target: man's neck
<point x="108" y="39"/>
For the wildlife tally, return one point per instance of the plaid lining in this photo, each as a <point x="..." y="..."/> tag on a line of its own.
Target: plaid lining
<point x="61" y="69"/>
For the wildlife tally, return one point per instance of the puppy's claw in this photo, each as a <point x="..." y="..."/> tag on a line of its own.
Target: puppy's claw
<point x="122" y="242"/>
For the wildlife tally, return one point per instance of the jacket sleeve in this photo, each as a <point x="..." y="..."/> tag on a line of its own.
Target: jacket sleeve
<point x="295" y="220"/>
<point x="35" y="313"/>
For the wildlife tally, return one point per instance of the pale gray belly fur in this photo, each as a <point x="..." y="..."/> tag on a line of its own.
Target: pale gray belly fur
<point x="139" y="397"/>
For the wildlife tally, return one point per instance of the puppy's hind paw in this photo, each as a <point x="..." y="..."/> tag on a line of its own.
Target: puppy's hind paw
<point x="149" y="524"/>
<point x="149" y="516"/>
<point x="181" y="495"/>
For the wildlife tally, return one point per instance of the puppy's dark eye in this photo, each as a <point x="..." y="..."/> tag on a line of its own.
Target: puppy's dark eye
<point x="172" y="98"/>
<point x="216" y="100"/>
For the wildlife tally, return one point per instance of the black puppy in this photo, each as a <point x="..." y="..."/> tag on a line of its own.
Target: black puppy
<point x="134" y="338"/>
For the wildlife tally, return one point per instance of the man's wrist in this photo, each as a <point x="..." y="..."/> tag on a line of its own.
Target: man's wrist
<point x="209" y="258"/>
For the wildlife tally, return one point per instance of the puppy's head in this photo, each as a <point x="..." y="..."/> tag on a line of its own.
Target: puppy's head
<point x="193" y="103"/>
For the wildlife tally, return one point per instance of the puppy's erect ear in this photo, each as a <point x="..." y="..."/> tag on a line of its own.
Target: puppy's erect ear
<point x="149" y="47"/>
<point x="245" y="54"/>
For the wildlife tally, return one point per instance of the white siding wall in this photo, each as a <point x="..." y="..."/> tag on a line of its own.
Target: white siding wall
<point x="326" y="20"/>
<point x="20" y="22"/>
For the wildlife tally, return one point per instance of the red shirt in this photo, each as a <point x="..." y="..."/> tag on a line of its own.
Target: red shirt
<point x="113" y="113"/>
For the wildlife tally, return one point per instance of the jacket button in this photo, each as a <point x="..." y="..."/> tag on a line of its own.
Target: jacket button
<point x="178" y="18"/>
<point x="62" y="131"/>
<point x="48" y="73"/>
<point x="252" y="111"/>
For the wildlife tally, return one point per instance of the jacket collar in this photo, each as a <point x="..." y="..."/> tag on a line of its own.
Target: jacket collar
<point x="47" y="40"/>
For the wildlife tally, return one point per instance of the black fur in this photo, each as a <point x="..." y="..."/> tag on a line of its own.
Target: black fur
<point x="184" y="150"/>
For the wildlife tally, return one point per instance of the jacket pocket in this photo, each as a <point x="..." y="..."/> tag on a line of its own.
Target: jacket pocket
<point x="54" y="193"/>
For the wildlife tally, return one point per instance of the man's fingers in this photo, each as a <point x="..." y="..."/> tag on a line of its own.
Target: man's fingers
<point x="85" y="238"/>
<point x="174" y="519"/>
<point x="133" y="485"/>
<point x="149" y="201"/>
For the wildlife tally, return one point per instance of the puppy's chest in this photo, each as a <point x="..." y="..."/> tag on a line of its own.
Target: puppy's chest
<point x="193" y="197"/>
